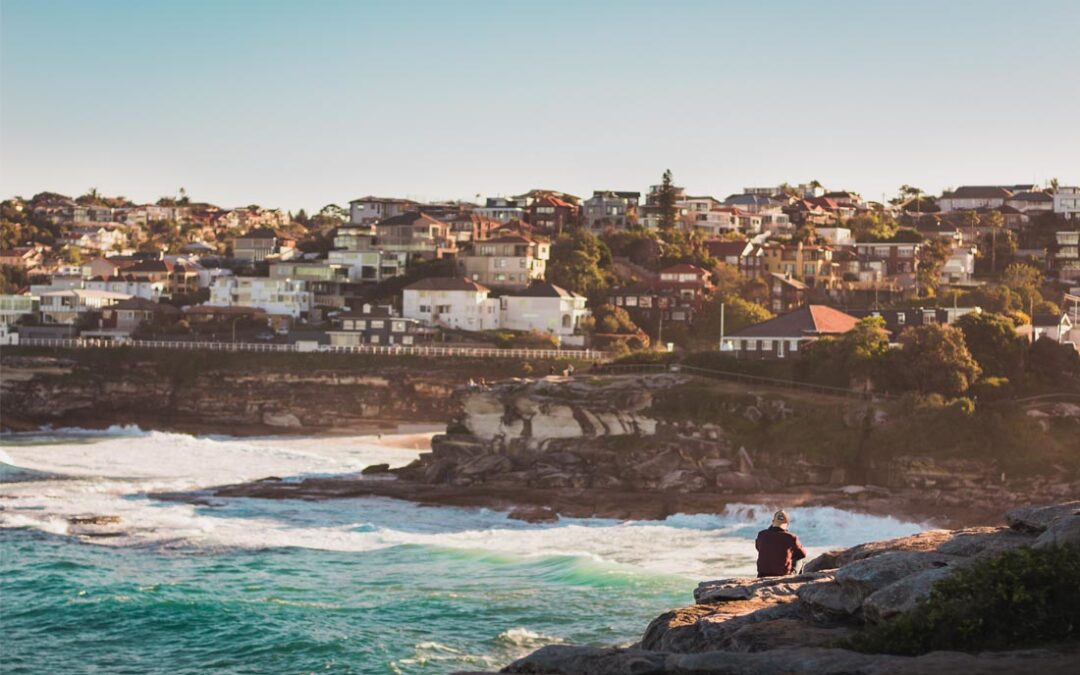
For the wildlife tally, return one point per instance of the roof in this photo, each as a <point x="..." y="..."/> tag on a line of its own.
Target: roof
<point x="266" y="233"/>
<point x="794" y="283"/>
<point x="1032" y="196"/>
<point x="684" y="268"/>
<point x="508" y="239"/>
<point x="544" y="289"/>
<point x="408" y="218"/>
<point x="809" y="320"/>
<point x="550" y="200"/>
<point x="721" y="248"/>
<point x="978" y="192"/>
<point x="145" y="305"/>
<point x="387" y="200"/>
<point x="223" y="309"/>
<point x="447" y="284"/>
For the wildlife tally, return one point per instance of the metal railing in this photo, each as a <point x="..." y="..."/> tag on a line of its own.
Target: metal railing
<point x="620" y="369"/>
<point x="384" y="350"/>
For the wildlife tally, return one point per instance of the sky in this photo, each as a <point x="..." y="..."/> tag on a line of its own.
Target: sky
<point x="300" y="103"/>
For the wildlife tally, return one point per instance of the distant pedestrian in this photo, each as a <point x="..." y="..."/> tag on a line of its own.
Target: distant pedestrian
<point x="778" y="549"/>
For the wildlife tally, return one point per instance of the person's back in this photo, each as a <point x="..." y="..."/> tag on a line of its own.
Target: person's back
<point x="778" y="549"/>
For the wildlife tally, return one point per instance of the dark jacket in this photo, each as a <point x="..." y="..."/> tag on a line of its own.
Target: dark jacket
<point x="778" y="551"/>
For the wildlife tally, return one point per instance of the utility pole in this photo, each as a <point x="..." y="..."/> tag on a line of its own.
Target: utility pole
<point x="721" y="326"/>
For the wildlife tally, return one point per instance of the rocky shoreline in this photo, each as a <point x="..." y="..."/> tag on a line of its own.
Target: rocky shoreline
<point x="793" y="624"/>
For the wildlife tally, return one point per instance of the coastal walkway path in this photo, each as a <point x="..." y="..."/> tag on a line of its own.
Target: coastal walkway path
<point x="270" y="347"/>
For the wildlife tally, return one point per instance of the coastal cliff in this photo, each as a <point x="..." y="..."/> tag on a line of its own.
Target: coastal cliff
<point x="693" y="440"/>
<point x="906" y="605"/>
<point x="234" y="393"/>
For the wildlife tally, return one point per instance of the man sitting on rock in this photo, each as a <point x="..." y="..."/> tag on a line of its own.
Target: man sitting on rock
<point x="778" y="549"/>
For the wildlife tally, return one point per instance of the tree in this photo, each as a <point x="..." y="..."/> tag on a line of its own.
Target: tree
<point x="933" y="359"/>
<point x="575" y="264"/>
<point x="993" y="342"/>
<point x="1024" y="280"/>
<point x="932" y="257"/>
<point x="665" y="199"/>
<point x="994" y="220"/>
<point x="873" y="226"/>
<point x="857" y="354"/>
<point x="738" y="313"/>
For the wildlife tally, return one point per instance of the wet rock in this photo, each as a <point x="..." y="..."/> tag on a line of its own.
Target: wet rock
<point x="375" y="469"/>
<point x="534" y="514"/>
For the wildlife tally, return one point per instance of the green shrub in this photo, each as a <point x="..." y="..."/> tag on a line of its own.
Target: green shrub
<point x="1021" y="598"/>
<point x="992" y="389"/>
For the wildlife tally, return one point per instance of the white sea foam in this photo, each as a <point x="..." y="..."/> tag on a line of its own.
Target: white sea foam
<point x="112" y="474"/>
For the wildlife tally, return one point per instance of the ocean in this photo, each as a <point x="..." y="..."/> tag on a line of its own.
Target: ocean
<point x="368" y="585"/>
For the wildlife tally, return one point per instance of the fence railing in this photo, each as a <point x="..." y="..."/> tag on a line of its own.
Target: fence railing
<point x="621" y="369"/>
<point x="385" y="350"/>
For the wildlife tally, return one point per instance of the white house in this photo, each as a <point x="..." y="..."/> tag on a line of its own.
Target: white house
<point x="452" y="302"/>
<point x="1067" y="202"/>
<point x="836" y="236"/>
<point x="1053" y="326"/>
<point x="543" y="307"/>
<point x="974" y="197"/>
<point x="67" y="306"/>
<point x="288" y="297"/>
<point x="139" y="288"/>
<point x="370" y="209"/>
<point x="960" y="267"/>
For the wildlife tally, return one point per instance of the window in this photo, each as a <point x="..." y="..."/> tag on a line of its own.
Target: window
<point x="398" y="326"/>
<point x="751" y="345"/>
<point x="374" y="339"/>
<point x="378" y="324"/>
<point x="794" y="345"/>
<point x="766" y="345"/>
<point x="901" y="318"/>
<point x="407" y="340"/>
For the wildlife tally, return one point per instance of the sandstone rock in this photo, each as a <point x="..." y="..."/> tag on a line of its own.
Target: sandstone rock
<point x="484" y="465"/>
<point x="903" y="595"/>
<point x="734" y="481"/>
<point x="682" y="480"/>
<point x="1064" y="530"/>
<point x="768" y="635"/>
<point x="568" y="660"/>
<point x="856" y="581"/>
<point x="924" y="541"/>
<point x="746" y="588"/>
<point x="701" y="628"/>
<point x="1038" y="518"/>
<point x="280" y="420"/>
<point x="745" y="463"/>
<point x="554" y="421"/>
<point x="978" y="541"/>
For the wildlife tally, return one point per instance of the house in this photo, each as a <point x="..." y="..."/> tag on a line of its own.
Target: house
<point x="71" y="305"/>
<point x="260" y="244"/>
<point x="179" y="278"/>
<point x="899" y="319"/>
<point x="810" y="264"/>
<point x="1031" y="201"/>
<point x="752" y="203"/>
<point x="960" y="267"/>
<point x="502" y="209"/>
<point x="677" y="294"/>
<point x="690" y="280"/>
<point x="368" y="210"/>
<point x="25" y="257"/>
<point x="416" y="234"/>
<point x="1065" y="255"/>
<point x="971" y="197"/>
<point x="203" y="314"/>
<point x="15" y="307"/>
<point x="1067" y="202"/>
<point x="845" y="198"/>
<point x="94" y="237"/>
<point x="543" y="307"/>
<point x="610" y="209"/>
<point x="899" y="260"/>
<point x="370" y="266"/>
<point x="451" y="302"/>
<point x="785" y="293"/>
<point x="275" y="296"/>
<point x="1055" y="327"/>
<point x="467" y="226"/>
<point x="128" y="315"/>
<point x="740" y="254"/>
<point x="785" y="335"/>
<point x="128" y="285"/>
<point x="835" y="236"/>
<point x="377" y="325"/>
<point x="548" y="214"/>
<point x="508" y="261"/>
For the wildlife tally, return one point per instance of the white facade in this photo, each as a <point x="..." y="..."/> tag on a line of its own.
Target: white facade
<point x="1067" y="202"/>
<point x="836" y="236"/>
<point x="960" y="267"/>
<point x="372" y="265"/>
<point x="64" y="307"/>
<point x="140" y="288"/>
<point x="461" y="309"/>
<point x="288" y="297"/>
<point x="555" y="315"/>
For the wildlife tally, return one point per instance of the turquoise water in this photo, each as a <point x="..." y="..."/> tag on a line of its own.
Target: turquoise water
<point x="351" y="586"/>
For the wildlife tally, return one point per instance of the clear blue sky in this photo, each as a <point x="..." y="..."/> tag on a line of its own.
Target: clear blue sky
<point x="300" y="103"/>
